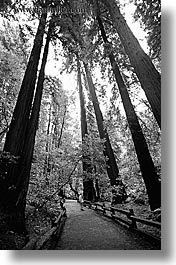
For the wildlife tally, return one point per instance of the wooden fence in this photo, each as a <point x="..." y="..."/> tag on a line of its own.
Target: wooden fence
<point x="38" y="243"/>
<point x="130" y="221"/>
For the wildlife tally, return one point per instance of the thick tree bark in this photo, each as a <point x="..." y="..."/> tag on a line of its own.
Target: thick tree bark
<point x="111" y="165"/>
<point x="88" y="187"/>
<point x="147" y="74"/>
<point x="15" y="137"/>
<point x="27" y="154"/>
<point x="14" y="203"/>
<point x="16" y="134"/>
<point x="146" y="164"/>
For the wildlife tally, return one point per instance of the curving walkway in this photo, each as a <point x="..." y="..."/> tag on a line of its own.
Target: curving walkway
<point x="87" y="230"/>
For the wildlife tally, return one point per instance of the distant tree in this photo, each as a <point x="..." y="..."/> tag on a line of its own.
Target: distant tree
<point x="111" y="165"/>
<point x="88" y="186"/>
<point x="95" y="147"/>
<point x="75" y="39"/>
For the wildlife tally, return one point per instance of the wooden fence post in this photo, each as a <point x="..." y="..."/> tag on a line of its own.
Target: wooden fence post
<point x="103" y="206"/>
<point x="112" y="212"/>
<point x="133" y="222"/>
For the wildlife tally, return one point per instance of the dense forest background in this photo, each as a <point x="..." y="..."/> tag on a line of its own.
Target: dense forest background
<point x="79" y="103"/>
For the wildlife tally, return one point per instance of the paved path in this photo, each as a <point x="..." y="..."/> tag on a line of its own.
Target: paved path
<point x="87" y="230"/>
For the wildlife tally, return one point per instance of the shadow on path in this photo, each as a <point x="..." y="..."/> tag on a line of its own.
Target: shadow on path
<point x="87" y="230"/>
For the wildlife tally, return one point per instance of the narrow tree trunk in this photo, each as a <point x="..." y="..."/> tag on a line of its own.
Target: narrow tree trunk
<point x="97" y="190"/>
<point x="146" y="164"/>
<point x="74" y="190"/>
<point x="47" y="156"/>
<point x="16" y="203"/>
<point x="147" y="74"/>
<point x="88" y="191"/>
<point x="48" y="130"/>
<point x="111" y="165"/>
<point x="84" y="130"/>
<point x="62" y="127"/>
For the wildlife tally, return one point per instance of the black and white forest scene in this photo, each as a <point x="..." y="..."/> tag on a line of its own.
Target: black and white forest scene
<point x="80" y="125"/>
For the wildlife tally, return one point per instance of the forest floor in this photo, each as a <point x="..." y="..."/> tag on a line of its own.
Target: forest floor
<point x="9" y="240"/>
<point x="39" y="220"/>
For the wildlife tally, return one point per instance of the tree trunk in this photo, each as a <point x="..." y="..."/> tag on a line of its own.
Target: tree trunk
<point x="146" y="164"/>
<point x="111" y="164"/>
<point x="147" y="74"/>
<point x="46" y="169"/>
<point x="16" y="134"/>
<point x="74" y="190"/>
<point x="26" y="161"/>
<point x="89" y="191"/>
<point x="62" y="127"/>
<point x="97" y="190"/>
<point x="17" y="195"/>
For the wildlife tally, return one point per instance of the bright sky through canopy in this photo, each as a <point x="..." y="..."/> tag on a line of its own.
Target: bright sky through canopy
<point x="69" y="80"/>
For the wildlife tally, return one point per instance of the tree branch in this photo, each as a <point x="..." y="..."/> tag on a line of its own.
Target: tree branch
<point x="69" y="177"/>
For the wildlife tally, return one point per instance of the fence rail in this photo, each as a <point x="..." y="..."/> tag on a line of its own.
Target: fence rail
<point x="130" y="221"/>
<point x="37" y="243"/>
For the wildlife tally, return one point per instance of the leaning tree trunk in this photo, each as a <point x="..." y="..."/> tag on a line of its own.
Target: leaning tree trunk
<point x="111" y="165"/>
<point x="88" y="187"/>
<point x="145" y="161"/>
<point x="26" y="161"/>
<point x="16" y="134"/>
<point x="17" y="202"/>
<point x="147" y="74"/>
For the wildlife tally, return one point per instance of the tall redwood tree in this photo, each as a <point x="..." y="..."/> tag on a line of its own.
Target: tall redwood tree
<point x="88" y="191"/>
<point x="145" y="161"/>
<point x="28" y="148"/>
<point x="20" y="138"/>
<point x="147" y="74"/>
<point x="111" y="165"/>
